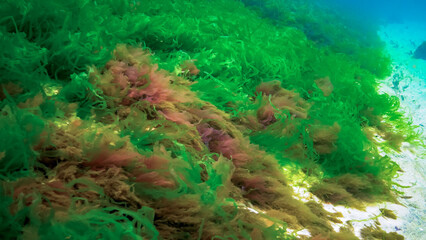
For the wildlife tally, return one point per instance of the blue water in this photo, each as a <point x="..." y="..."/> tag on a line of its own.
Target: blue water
<point x="386" y="11"/>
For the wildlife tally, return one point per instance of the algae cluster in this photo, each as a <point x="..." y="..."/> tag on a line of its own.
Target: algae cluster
<point x="174" y="119"/>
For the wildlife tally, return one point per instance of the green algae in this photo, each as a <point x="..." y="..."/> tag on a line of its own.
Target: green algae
<point x="388" y="213"/>
<point x="372" y="233"/>
<point x="178" y="140"/>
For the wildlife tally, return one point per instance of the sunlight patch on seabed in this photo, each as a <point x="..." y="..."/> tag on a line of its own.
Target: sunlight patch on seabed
<point x="353" y="219"/>
<point x="408" y="83"/>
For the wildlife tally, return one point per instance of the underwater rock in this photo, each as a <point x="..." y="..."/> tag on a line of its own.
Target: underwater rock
<point x="420" y="52"/>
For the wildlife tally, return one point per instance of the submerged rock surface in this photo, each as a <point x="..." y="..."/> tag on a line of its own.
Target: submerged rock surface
<point x="420" y="52"/>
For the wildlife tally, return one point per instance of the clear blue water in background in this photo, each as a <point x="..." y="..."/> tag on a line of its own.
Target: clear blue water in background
<point x="385" y="11"/>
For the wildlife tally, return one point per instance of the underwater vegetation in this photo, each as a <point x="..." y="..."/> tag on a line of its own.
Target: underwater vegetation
<point x="176" y="119"/>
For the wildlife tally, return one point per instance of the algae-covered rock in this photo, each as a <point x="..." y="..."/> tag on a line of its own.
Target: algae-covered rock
<point x="420" y="52"/>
